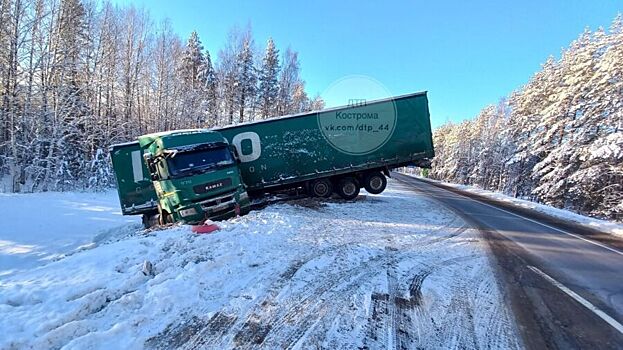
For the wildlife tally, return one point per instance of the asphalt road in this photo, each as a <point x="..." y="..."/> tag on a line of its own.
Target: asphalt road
<point x="565" y="288"/>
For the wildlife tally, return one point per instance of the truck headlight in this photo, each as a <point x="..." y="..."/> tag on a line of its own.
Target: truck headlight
<point x="188" y="212"/>
<point x="244" y="196"/>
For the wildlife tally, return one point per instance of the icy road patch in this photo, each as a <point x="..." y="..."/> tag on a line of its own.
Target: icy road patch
<point x="389" y="271"/>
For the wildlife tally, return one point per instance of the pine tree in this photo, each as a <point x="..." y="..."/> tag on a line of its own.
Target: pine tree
<point x="246" y="77"/>
<point x="269" y="84"/>
<point x="192" y="63"/>
<point x="70" y="107"/>
<point x="211" y="90"/>
<point x="557" y="140"/>
<point x="194" y="73"/>
<point x="76" y="77"/>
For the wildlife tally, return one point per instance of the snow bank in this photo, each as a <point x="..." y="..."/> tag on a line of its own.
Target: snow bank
<point x="605" y="226"/>
<point x="384" y="271"/>
<point x="41" y="227"/>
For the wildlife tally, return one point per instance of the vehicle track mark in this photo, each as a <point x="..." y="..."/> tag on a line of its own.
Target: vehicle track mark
<point x="191" y="334"/>
<point x="290" y="315"/>
<point x="392" y="321"/>
<point x="213" y="331"/>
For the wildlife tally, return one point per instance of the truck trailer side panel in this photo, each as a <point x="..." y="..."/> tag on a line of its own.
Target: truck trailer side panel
<point x="297" y="148"/>
<point x="136" y="191"/>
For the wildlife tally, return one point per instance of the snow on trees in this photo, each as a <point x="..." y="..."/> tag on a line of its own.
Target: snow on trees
<point x="288" y="82"/>
<point x="194" y="72"/>
<point x="269" y="87"/>
<point x="77" y="76"/>
<point x="192" y="62"/>
<point x="211" y="90"/>
<point x="246" y="77"/>
<point x="557" y="140"/>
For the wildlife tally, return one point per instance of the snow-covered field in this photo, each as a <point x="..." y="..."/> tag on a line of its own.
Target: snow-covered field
<point x="610" y="227"/>
<point x="42" y="227"/>
<point x="389" y="271"/>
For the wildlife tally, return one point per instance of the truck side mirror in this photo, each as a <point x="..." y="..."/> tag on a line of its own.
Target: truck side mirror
<point x="234" y="153"/>
<point x="151" y="166"/>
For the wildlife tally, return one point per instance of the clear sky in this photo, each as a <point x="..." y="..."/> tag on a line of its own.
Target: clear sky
<point x="466" y="54"/>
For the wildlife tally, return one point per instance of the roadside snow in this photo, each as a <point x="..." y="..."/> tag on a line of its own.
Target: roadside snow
<point x="389" y="271"/>
<point x="605" y="226"/>
<point x="41" y="227"/>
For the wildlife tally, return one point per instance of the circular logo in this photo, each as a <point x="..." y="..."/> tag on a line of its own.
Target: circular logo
<point x="362" y="126"/>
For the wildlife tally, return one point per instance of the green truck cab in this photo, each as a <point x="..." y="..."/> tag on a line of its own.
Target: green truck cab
<point x="195" y="175"/>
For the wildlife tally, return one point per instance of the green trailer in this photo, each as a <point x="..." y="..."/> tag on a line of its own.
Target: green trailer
<point x="134" y="186"/>
<point x="355" y="140"/>
<point x="338" y="150"/>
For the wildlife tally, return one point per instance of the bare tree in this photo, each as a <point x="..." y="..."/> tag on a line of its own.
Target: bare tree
<point x="79" y="75"/>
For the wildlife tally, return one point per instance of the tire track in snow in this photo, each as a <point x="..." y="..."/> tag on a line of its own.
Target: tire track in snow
<point x="310" y="301"/>
<point x="319" y="300"/>
<point x="392" y="320"/>
<point x="270" y="321"/>
<point x="296" y="309"/>
<point x="381" y="262"/>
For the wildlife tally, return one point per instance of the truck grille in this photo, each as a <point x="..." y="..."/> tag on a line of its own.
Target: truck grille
<point x="215" y="185"/>
<point x="219" y="203"/>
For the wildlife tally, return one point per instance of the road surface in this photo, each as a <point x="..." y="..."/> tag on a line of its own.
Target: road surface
<point x="565" y="289"/>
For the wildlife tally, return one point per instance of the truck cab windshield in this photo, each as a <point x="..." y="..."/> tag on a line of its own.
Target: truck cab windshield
<point x="198" y="161"/>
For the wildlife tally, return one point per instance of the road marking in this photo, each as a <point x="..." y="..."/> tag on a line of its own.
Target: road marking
<point x="611" y="321"/>
<point x="552" y="227"/>
<point x="534" y="221"/>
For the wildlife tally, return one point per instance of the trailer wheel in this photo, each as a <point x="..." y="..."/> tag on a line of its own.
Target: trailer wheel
<point x="375" y="183"/>
<point x="321" y="188"/>
<point x="348" y="188"/>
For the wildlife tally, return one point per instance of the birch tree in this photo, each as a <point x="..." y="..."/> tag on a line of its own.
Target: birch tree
<point x="77" y="76"/>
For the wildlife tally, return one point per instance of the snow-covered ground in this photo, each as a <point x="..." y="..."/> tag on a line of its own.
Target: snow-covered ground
<point x="389" y="271"/>
<point x="38" y="228"/>
<point x="610" y="227"/>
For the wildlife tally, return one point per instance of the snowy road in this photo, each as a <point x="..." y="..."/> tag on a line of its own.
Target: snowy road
<point x="396" y="271"/>
<point x="566" y="290"/>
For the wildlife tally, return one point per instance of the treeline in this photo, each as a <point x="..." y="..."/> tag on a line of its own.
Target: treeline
<point x="558" y="140"/>
<point x="77" y="76"/>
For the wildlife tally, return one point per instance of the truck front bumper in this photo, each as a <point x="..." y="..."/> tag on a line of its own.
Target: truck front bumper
<point x="222" y="207"/>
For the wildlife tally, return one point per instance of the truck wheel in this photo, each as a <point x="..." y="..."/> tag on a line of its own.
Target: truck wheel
<point x="150" y="220"/>
<point x="348" y="188"/>
<point x="165" y="218"/>
<point x="321" y="188"/>
<point x="375" y="183"/>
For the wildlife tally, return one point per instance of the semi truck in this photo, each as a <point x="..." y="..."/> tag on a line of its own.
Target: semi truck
<point x="212" y="174"/>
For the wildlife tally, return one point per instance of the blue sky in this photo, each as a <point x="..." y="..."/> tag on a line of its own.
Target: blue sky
<point x="466" y="54"/>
